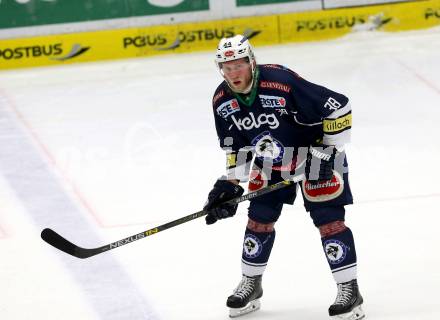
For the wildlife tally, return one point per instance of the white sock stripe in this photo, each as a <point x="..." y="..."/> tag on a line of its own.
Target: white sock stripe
<point x="345" y="275"/>
<point x="254" y="264"/>
<point x="251" y="271"/>
<point x="344" y="267"/>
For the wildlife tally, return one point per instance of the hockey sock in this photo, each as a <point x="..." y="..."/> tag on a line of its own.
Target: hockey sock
<point x="256" y="251"/>
<point x="341" y="255"/>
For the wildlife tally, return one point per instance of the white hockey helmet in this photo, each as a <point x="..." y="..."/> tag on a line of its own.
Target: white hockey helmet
<point x="235" y="48"/>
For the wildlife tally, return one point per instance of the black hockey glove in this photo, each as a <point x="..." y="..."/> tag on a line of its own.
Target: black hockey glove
<point x="325" y="156"/>
<point x="223" y="190"/>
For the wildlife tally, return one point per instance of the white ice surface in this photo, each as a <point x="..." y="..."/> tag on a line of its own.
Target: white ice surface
<point x="105" y="150"/>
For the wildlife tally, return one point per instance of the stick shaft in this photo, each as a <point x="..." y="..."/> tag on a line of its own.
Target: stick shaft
<point x="66" y="246"/>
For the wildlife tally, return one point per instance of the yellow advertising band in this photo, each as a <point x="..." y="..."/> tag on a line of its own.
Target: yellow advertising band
<point x="332" y="126"/>
<point x="203" y="36"/>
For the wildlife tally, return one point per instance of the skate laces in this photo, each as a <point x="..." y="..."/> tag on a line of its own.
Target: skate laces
<point x="345" y="292"/>
<point x="245" y="287"/>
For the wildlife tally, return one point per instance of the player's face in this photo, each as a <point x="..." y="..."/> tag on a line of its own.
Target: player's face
<point x="238" y="73"/>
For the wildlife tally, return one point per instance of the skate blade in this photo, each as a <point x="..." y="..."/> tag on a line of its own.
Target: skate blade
<point x="356" y="314"/>
<point x="252" y="306"/>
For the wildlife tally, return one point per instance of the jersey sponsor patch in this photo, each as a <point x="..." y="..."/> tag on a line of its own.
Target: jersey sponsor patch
<point x="335" y="126"/>
<point x="274" y="66"/>
<point x="267" y="147"/>
<point x="227" y="108"/>
<point x="275" y="85"/>
<point x="272" y="101"/>
<point x="323" y="190"/>
<point x="335" y="250"/>
<point x="249" y="123"/>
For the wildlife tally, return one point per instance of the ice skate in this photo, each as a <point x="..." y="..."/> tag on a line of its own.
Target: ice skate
<point x="348" y="303"/>
<point x="246" y="297"/>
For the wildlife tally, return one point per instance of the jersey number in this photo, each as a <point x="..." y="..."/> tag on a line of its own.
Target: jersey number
<point x="332" y="104"/>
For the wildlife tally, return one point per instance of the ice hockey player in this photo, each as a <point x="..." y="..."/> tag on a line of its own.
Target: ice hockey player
<point x="268" y="114"/>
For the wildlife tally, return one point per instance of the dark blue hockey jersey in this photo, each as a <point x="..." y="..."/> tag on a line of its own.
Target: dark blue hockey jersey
<point x="283" y="110"/>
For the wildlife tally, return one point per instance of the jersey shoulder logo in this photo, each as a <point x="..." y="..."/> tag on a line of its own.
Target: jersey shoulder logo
<point x="227" y="108"/>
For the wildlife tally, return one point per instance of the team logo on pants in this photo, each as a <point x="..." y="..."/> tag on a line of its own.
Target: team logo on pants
<point x="252" y="246"/>
<point x="323" y="190"/>
<point x="257" y="179"/>
<point x="335" y="250"/>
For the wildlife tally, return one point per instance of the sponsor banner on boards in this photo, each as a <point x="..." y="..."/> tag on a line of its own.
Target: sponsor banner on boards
<point x="204" y="36"/>
<point x="241" y="3"/>
<point x="130" y="43"/>
<point x="330" y="24"/>
<point x="329" y="4"/>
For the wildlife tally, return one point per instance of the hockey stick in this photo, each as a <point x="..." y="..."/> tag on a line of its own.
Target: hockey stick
<point x="57" y="241"/>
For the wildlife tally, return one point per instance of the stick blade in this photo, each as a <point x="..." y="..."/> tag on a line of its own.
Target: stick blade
<point x="57" y="241"/>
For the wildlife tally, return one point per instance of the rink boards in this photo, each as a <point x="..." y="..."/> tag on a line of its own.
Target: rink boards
<point x="203" y="36"/>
